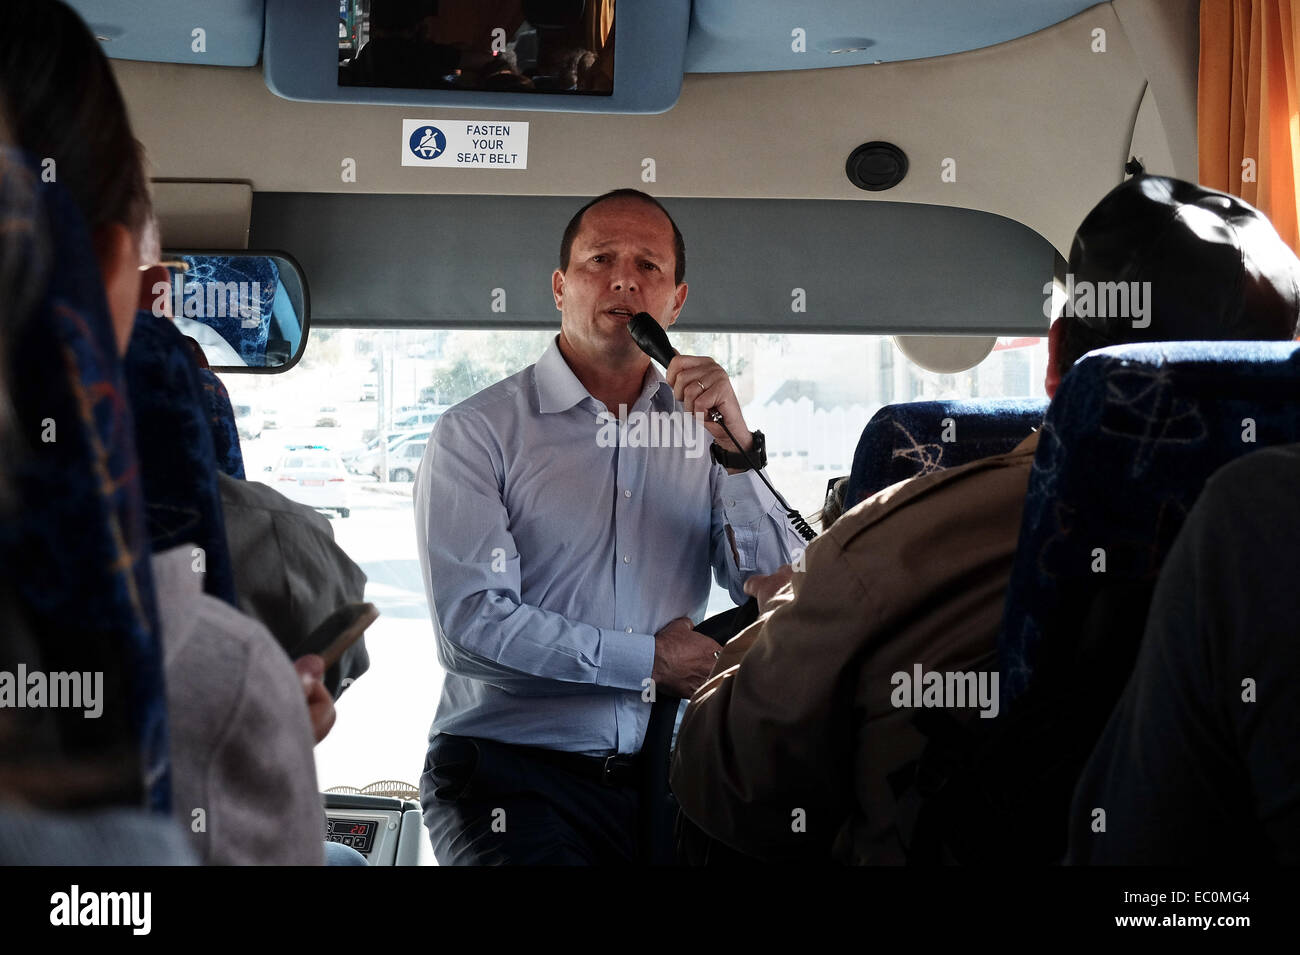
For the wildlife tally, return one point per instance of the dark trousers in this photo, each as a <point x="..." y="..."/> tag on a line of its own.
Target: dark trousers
<point x="486" y="803"/>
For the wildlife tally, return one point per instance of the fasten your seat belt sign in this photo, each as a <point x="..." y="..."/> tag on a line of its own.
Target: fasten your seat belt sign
<point x="476" y="144"/>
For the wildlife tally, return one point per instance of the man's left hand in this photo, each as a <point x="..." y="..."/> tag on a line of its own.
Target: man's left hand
<point x="701" y="384"/>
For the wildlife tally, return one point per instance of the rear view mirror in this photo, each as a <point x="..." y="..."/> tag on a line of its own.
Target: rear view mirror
<point x="249" y="311"/>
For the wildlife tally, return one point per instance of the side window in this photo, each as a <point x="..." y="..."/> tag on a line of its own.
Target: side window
<point x="810" y="394"/>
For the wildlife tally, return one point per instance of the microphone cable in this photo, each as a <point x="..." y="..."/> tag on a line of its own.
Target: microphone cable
<point x="801" y="526"/>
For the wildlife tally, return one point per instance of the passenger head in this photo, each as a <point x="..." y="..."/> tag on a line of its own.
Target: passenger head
<point x="634" y="195"/>
<point x="1164" y="260"/>
<point x="834" y="506"/>
<point x="66" y="112"/>
<point x="622" y="250"/>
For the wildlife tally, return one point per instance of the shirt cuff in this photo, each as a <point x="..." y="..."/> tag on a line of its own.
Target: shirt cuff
<point x="626" y="659"/>
<point x="745" y="499"/>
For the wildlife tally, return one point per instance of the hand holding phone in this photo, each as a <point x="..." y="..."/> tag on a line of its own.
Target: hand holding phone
<point x="340" y="630"/>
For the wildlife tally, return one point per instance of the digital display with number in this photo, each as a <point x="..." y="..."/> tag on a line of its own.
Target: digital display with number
<point x="349" y="832"/>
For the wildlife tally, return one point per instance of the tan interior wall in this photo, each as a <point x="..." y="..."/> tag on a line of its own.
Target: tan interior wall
<point x="1038" y="128"/>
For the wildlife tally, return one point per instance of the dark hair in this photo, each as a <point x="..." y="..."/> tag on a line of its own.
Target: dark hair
<point x="834" y="506"/>
<point x="1214" y="268"/>
<point x="571" y="230"/>
<point x="65" y="105"/>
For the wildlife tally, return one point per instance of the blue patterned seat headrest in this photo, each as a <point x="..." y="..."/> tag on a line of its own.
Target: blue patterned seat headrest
<point x="1127" y="444"/>
<point x="918" y="437"/>
<point x="221" y="419"/>
<point x="256" y="279"/>
<point x="178" y="464"/>
<point x="75" y="551"/>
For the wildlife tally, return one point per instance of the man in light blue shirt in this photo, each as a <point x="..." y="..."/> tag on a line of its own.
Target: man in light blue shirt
<point x="567" y="519"/>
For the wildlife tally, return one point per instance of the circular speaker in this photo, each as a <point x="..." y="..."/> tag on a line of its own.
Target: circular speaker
<point x="946" y="354"/>
<point x="876" y="166"/>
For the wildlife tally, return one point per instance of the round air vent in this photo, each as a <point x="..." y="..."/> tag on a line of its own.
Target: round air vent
<point x="876" y="166"/>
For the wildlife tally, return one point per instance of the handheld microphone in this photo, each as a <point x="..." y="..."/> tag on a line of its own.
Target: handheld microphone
<point x="653" y="340"/>
<point x="651" y="337"/>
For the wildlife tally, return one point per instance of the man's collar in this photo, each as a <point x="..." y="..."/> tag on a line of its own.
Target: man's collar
<point x="558" y="388"/>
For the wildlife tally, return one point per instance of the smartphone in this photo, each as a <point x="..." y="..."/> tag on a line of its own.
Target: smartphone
<point x="340" y="630"/>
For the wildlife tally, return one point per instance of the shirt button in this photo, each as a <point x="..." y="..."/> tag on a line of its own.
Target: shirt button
<point x="731" y="504"/>
<point x="629" y="629"/>
<point x="627" y="559"/>
<point x="627" y="493"/>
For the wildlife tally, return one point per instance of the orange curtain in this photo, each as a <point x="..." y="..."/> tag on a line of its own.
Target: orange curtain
<point x="599" y="21"/>
<point x="1248" y="106"/>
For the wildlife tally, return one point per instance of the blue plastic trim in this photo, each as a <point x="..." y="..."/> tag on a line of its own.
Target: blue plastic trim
<point x="742" y="36"/>
<point x="162" y="31"/>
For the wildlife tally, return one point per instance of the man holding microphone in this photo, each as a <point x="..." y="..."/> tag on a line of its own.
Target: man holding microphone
<point x="563" y="574"/>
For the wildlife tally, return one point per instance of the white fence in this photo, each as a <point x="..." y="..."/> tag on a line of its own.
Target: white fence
<point x="823" y="437"/>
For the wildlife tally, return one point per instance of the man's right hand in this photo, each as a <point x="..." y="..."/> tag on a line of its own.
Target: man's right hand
<point x="683" y="658"/>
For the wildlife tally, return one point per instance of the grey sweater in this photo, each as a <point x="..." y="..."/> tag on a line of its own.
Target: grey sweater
<point x="244" y="779"/>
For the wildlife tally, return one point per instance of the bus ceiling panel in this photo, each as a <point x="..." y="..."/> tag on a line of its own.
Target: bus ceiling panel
<point x="205" y="32"/>
<point x="736" y="36"/>
<point x="1036" y="130"/>
<point x="203" y="215"/>
<point x="753" y="265"/>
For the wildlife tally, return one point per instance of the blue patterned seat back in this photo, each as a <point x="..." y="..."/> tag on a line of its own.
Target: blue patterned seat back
<point x="247" y="327"/>
<point x="75" y="552"/>
<point x="1127" y="445"/>
<point x="918" y="437"/>
<point x="178" y="463"/>
<point x="221" y="419"/>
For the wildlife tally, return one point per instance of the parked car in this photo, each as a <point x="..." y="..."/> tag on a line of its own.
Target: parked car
<point x="422" y="418"/>
<point x="269" y="416"/>
<point x="314" y="476"/>
<point x="248" y="422"/>
<point x="369" y="391"/>
<point x="405" y="458"/>
<point x="327" y="417"/>
<point x="367" y="462"/>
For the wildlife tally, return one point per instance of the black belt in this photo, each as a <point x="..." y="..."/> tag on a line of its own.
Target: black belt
<point x="616" y="770"/>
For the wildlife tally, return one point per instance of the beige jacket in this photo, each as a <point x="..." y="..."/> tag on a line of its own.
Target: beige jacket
<point x="243" y="773"/>
<point x="786" y="751"/>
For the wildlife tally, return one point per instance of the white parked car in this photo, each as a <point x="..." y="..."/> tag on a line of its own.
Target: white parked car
<point x="313" y="476"/>
<point x="404" y="459"/>
<point x="424" y="418"/>
<point x="366" y="460"/>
